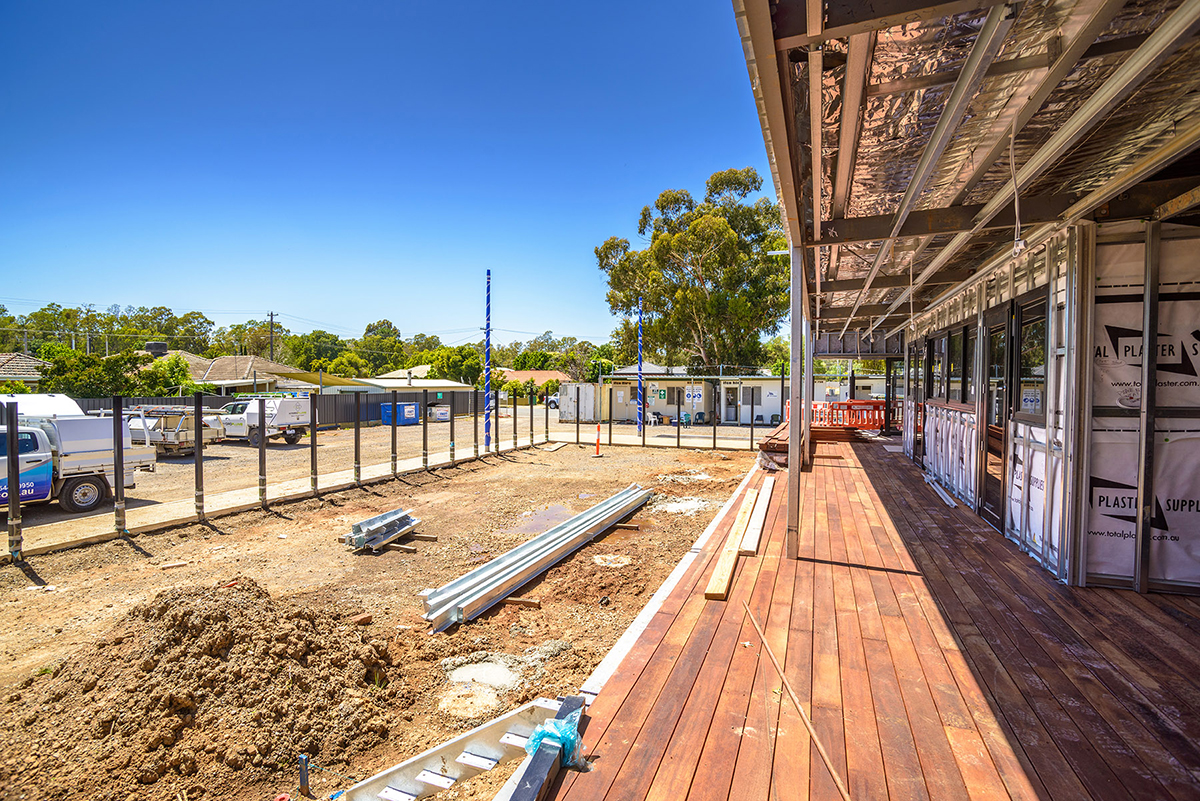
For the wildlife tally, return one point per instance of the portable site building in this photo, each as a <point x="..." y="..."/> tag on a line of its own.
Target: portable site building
<point x="1000" y="200"/>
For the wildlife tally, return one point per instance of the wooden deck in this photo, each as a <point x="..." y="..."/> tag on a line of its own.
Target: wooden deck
<point x="935" y="660"/>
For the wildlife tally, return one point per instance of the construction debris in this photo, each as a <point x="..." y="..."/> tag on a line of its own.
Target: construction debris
<point x="171" y="565"/>
<point x="533" y="602"/>
<point x="470" y="754"/>
<point x="467" y="597"/>
<point x="377" y="532"/>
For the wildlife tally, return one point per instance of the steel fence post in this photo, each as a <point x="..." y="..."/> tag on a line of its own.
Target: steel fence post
<point x="198" y="453"/>
<point x="395" y="414"/>
<point x="118" y="466"/>
<point x="452" y="427"/>
<point x="262" y="452"/>
<point x="357" y="438"/>
<point x="312" y="442"/>
<point x="425" y="429"/>
<point x="16" y="543"/>
<point x="578" y="414"/>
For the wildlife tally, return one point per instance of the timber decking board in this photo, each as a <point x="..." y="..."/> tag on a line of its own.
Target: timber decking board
<point x="935" y="659"/>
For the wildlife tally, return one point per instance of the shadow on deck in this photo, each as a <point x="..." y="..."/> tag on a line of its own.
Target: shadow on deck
<point x="935" y="660"/>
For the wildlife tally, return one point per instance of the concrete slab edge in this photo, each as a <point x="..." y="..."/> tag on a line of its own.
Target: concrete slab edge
<point x="612" y="660"/>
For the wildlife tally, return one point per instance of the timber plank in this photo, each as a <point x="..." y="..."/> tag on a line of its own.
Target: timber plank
<point x="722" y="575"/>
<point x="758" y="519"/>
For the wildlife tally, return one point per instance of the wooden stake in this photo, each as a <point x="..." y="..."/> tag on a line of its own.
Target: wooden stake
<point x="533" y="602"/>
<point x="803" y="715"/>
<point x="397" y="546"/>
<point x="628" y="526"/>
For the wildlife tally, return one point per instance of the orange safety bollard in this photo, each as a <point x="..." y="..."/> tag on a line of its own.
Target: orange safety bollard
<point x="597" y="453"/>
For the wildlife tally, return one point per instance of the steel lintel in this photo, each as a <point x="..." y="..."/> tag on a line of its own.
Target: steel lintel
<point x="893" y="281"/>
<point x="949" y="220"/>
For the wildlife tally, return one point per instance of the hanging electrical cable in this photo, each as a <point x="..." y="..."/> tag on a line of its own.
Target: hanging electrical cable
<point x="1018" y="242"/>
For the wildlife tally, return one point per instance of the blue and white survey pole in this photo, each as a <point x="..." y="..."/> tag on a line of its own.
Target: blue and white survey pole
<point x="487" y="366"/>
<point x="641" y="393"/>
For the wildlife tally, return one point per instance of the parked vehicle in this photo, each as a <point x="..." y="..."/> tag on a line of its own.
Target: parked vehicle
<point x="552" y="401"/>
<point x="172" y="429"/>
<point x="286" y="417"/>
<point x="68" y="455"/>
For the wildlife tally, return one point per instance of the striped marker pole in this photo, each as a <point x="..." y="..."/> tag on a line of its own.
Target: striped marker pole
<point x="487" y="367"/>
<point x="641" y="395"/>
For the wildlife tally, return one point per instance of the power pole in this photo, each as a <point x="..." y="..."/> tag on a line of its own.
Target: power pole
<point x="271" y="332"/>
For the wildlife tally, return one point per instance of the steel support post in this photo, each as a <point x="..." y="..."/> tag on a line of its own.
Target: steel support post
<point x="1146" y="500"/>
<point x="118" y="465"/>
<point x="751" y="418"/>
<point x="514" y="405"/>
<point x="452" y="404"/>
<point x="198" y="453"/>
<point x="796" y="443"/>
<point x="475" y="418"/>
<point x="610" y="414"/>
<point x="496" y="418"/>
<point x="678" y="420"/>
<point x="262" y="452"/>
<point x="395" y="422"/>
<point x="577" y="415"/>
<point x="547" y="410"/>
<point x="716" y="407"/>
<point x="357" y="438"/>
<point x="312" y="442"/>
<point x="888" y="395"/>
<point x="532" y="404"/>
<point x="425" y="429"/>
<point x="16" y="544"/>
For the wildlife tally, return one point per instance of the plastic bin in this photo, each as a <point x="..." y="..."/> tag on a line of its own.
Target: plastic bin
<point x="407" y="414"/>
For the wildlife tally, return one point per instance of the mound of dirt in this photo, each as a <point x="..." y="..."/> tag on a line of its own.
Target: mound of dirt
<point x="208" y="687"/>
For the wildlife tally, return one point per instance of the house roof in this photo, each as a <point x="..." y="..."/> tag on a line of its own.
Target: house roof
<point x="21" y="366"/>
<point x="539" y="376"/>
<point x="420" y="371"/>
<point x="228" y="368"/>
<point x="403" y="384"/>
<point x="197" y="365"/>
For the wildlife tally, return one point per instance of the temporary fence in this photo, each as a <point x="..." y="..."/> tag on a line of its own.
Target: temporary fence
<point x="854" y="414"/>
<point x="331" y="409"/>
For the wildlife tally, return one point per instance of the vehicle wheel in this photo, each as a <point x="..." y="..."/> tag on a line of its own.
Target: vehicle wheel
<point x="252" y="437"/>
<point x="292" y="439"/>
<point x="553" y="405"/>
<point x="83" y="494"/>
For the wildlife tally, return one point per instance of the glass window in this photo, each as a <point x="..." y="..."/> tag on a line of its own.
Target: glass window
<point x="969" y="369"/>
<point x="752" y="395"/>
<point x="1032" y="374"/>
<point x="26" y="443"/>
<point x="937" y="369"/>
<point x="954" y="367"/>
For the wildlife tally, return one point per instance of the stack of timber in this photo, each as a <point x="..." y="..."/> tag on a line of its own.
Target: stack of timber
<point x="742" y="540"/>
<point x="774" y="445"/>
<point x="469" y="596"/>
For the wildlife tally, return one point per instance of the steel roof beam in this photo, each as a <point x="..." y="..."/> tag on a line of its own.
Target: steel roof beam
<point x="848" y="17"/>
<point x="1173" y="33"/>
<point x="932" y="222"/>
<point x="893" y="281"/>
<point x="903" y="85"/>
<point x="983" y="52"/>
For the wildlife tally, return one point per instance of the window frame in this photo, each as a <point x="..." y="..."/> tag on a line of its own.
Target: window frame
<point x="1028" y="309"/>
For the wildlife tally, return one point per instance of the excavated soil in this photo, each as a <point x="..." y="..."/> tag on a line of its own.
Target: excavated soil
<point x="201" y="662"/>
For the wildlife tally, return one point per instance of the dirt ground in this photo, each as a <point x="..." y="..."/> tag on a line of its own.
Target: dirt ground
<point x="125" y="678"/>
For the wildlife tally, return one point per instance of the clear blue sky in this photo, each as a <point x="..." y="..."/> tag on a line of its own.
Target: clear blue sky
<point x="341" y="162"/>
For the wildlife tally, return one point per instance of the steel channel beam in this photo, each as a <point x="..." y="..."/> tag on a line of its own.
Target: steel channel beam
<point x="446" y="604"/>
<point x="516" y="575"/>
<point x="434" y="597"/>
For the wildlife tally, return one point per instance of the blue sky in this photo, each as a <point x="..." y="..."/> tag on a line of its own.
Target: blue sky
<point x="342" y="162"/>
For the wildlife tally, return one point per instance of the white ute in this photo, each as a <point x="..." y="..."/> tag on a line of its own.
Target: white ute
<point x="286" y="417"/>
<point x="68" y="455"/>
